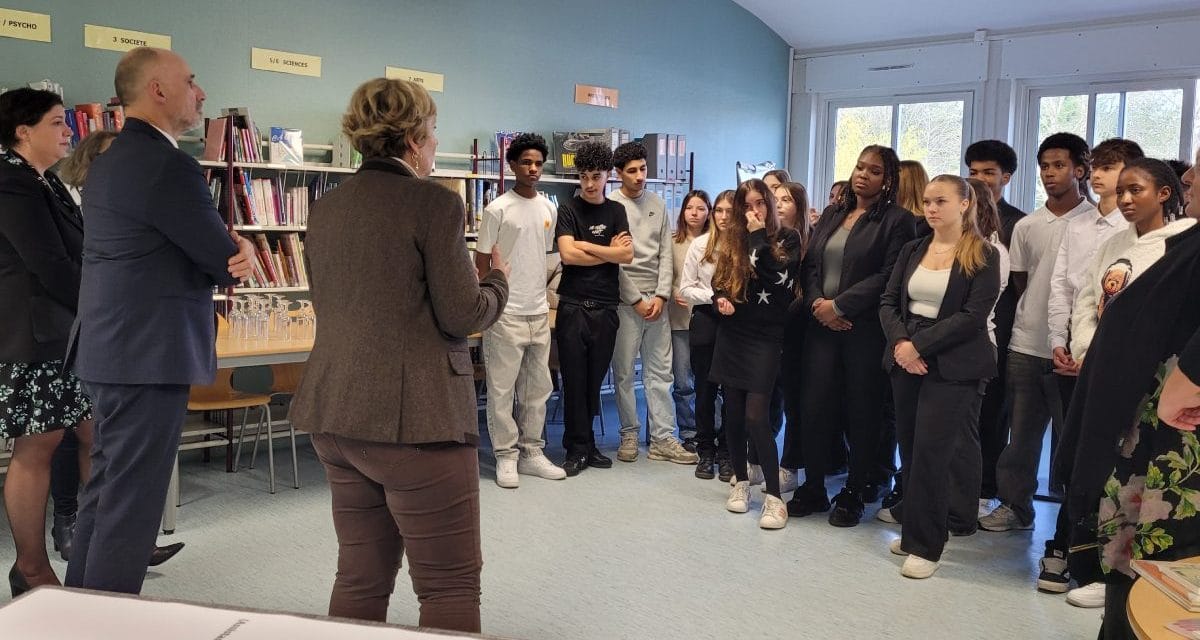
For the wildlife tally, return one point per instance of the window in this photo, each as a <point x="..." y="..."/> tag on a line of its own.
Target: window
<point x="928" y="129"/>
<point x="1151" y="114"/>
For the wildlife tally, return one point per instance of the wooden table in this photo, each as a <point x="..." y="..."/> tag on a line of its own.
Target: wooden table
<point x="1151" y="610"/>
<point x="233" y="352"/>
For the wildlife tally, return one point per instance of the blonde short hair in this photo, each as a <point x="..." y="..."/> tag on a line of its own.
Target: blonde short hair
<point x="384" y="114"/>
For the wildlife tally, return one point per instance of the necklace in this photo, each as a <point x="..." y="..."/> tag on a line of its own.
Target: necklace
<point x="942" y="252"/>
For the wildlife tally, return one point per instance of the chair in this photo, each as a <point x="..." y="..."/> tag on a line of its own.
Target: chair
<point x="285" y="380"/>
<point x="221" y="396"/>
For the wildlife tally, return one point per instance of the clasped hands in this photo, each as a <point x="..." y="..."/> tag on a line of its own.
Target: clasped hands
<point x="824" y="312"/>
<point x="1064" y="364"/>
<point x="907" y="357"/>
<point x="649" y="309"/>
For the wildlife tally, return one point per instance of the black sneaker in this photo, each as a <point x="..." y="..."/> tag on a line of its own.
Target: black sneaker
<point x="575" y="463"/>
<point x="689" y="444"/>
<point x="893" y="498"/>
<point x="1054" y="577"/>
<point x="724" y="468"/>
<point x="847" y="509"/>
<point x="872" y="493"/>
<point x="805" y="502"/>
<point x="704" y="468"/>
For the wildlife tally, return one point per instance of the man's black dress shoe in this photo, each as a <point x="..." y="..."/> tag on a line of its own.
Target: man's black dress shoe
<point x="61" y="533"/>
<point x="599" y="460"/>
<point x="162" y="554"/>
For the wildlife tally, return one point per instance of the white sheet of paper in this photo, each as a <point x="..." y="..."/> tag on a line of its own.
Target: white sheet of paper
<point x="40" y="614"/>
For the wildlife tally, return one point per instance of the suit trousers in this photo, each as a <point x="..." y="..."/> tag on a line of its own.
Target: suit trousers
<point x="136" y="440"/>
<point x="586" y="336"/>
<point x="1035" y="401"/>
<point x="994" y="416"/>
<point x="516" y="352"/>
<point x="652" y="339"/>
<point x="392" y="499"/>
<point x="842" y="377"/>
<point x="937" y="428"/>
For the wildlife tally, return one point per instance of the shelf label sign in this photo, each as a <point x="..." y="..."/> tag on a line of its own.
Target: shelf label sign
<point x="113" y="39"/>
<point x="597" y="96"/>
<point x="285" y="62"/>
<point x="431" y="81"/>
<point x="24" y="25"/>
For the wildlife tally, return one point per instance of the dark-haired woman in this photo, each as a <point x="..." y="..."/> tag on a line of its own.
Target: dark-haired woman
<point x="753" y="286"/>
<point x="1144" y="195"/>
<point x="940" y="355"/>
<point x="845" y="270"/>
<point x="1129" y="479"/>
<point x="41" y="258"/>
<point x="791" y="202"/>
<point x="691" y="224"/>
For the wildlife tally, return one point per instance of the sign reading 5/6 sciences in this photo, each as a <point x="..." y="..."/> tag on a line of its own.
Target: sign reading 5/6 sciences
<point x="24" y="25"/>
<point x="113" y="39"/>
<point x="285" y="62"/>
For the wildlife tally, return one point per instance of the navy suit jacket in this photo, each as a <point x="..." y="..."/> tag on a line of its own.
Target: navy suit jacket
<point x="154" y="246"/>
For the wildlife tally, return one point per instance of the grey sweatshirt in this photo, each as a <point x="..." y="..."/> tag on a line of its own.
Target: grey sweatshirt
<point x="650" y="272"/>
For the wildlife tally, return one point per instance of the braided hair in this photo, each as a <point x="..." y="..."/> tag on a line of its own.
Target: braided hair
<point x="891" y="184"/>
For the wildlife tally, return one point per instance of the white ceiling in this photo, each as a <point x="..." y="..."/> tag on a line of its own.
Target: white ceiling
<point x="825" y="24"/>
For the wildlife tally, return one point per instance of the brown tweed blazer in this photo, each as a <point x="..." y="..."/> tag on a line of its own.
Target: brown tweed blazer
<point x="396" y="296"/>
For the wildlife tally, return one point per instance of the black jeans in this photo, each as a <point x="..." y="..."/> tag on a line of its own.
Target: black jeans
<point x="586" y="336"/>
<point x="710" y="439"/>
<point x="937" y="427"/>
<point x="843" y="377"/>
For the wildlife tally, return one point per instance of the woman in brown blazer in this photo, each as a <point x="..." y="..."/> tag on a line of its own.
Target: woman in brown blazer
<point x="388" y="393"/>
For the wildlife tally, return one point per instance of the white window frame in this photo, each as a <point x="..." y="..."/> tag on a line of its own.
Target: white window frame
<point x="1025" y="186"/>
<point x="968" y="97"/>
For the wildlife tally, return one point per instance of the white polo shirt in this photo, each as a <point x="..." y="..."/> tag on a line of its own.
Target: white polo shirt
<point x="1034" y="246"/>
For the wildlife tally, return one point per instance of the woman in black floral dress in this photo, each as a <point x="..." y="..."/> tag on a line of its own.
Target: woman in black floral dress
<point x="1134" y="480"/>
<point x="41" y="245"/>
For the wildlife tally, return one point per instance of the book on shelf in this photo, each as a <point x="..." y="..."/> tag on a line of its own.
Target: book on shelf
<point x="214" y="139"/>
<point x="278" y="262"/>
<point x="344" y="154"/>
<point x="268" y="202"/>
<point x="1166" y="577"/>
<point x="89" y="117"/>
<point x="247" y="145"/>
<point x="287" y="146"/>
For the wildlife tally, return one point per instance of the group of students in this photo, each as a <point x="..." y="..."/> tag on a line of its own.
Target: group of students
<point x="928" y="316"/>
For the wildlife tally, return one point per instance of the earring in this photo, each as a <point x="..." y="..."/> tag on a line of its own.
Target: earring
<point x="416" y="162"/>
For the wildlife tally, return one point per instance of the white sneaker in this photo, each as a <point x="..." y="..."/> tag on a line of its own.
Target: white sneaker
<point x="774" y="513"/>
<point x="739" y="498"/>
<point x="987" y="506"/>
<point x="917" y="568"/>
<point x="885" y="515"/>
<point x="894" y="547"/>
<point x="788" y="482"/>
<point x="506" y="473"/>
<point x="754" y="472"/>
<point x="540" y="466"/>
<point x="1088" y="597"/>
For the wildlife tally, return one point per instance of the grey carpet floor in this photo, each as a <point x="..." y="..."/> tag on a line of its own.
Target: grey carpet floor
<point x="643" y="550"/>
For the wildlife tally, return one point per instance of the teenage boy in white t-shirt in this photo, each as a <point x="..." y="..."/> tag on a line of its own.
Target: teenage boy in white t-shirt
<point x="1032" y="387"/>
<point x="516" y="349"/>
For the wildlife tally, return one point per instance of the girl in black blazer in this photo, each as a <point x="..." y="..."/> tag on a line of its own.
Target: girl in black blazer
<point x="939" y="356"/>
<point x="41" y="246"/>
<point x="845" y="269"/>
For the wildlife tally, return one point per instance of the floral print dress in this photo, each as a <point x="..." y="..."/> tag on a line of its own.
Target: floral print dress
<point x="1152" y="498"/>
